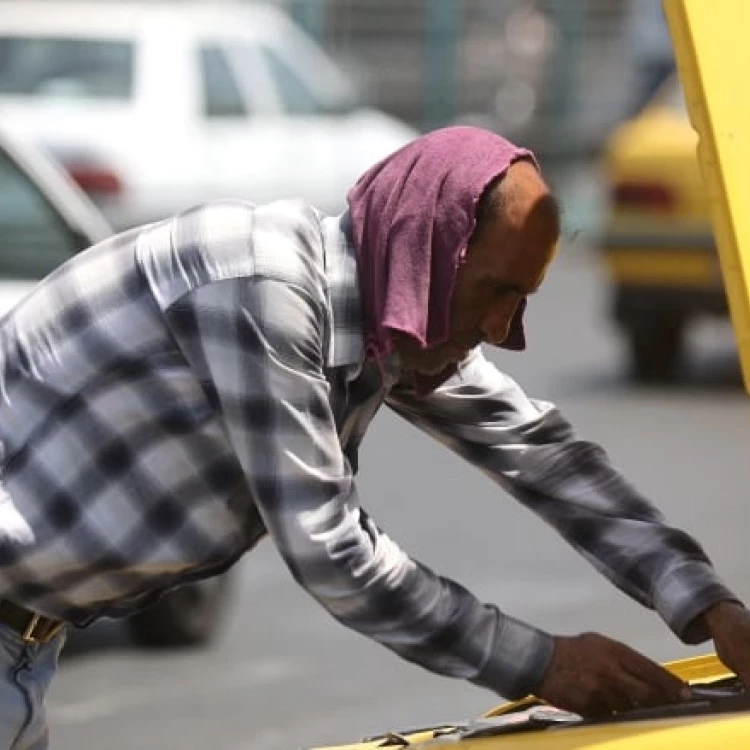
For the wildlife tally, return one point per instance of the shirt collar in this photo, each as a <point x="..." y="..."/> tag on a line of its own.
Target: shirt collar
<point x="347" y="332"/>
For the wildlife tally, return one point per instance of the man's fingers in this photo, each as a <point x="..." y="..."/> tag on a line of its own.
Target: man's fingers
<point x="744" y="676"/>
<point x="592" y="704"/>
<point x="641" y="693"/>
<point x="620" y="696"/>
<point x="658" y="684"/>
<point x="594" y="676"/>
<point x="743" y="672"/>
<point x="729" y="624"/>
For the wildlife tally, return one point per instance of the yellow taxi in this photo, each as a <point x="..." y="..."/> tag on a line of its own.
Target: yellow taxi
<point x="658" y="246"/>
<point x="718" y="716"/>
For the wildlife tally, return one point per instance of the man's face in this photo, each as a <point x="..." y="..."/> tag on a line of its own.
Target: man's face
<point x="504" y="263"/>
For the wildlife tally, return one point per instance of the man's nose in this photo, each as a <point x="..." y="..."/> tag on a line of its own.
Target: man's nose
<point x="496" y="322"/>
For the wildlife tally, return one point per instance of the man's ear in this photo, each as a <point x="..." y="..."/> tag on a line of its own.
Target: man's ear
<point x="544" y="219"/>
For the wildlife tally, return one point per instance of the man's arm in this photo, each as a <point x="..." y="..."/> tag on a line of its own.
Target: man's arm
<point x="529" y="448"/>
<point x="533" y="453"/>
<point x="259" y="346"/>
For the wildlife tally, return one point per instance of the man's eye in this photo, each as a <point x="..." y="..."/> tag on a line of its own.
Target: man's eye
<point x="503" y="290"/>
<point x="500" y="290"/>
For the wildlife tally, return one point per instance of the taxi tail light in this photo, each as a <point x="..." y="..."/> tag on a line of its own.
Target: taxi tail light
<point x="95" y="179"/>
<point x="644" y="196"/>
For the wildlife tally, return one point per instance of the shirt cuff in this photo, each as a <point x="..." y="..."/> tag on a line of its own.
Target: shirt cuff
<point x="686" y="593"/>
<point x="519" y="658"/>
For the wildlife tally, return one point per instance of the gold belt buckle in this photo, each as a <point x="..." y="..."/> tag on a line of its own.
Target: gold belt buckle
<point x="30" y="635"/>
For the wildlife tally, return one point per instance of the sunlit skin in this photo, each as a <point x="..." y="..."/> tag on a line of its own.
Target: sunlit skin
<point x="504" y="263"/>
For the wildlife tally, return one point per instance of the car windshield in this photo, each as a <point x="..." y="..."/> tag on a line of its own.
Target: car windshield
<point x="66" y="68"/>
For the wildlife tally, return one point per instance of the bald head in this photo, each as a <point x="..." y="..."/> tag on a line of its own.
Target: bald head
<point x="522" y="202"/>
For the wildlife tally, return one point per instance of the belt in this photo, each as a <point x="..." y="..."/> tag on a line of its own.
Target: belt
<point x="32" y="628"/>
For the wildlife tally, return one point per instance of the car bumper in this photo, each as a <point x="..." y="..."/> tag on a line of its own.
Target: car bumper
<point x="634" y="302"/>
<point x="679" y="261"/>
<point x="676" y="273"/>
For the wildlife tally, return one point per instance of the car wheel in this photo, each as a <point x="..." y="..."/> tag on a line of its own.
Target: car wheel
<point x="190" y="615"/>
<point x="656" y="348"/>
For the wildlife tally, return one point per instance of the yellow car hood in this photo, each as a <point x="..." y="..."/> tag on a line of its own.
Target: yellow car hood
<point x="718" y="717"/>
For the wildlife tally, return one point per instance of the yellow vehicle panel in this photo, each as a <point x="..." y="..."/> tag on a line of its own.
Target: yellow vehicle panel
<point x="658" y="146"/>
<point x="687" y="734"/>
<point x="713" y="57"/>
<point x="727" y="728"/>
<point x="657" y="246"/>
<point x="683" y="268"/>
<point x="693" y="734"/>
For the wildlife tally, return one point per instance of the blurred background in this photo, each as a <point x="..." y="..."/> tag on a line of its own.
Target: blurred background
<point x="553" y="73"/>
<point x="116" y="113"/>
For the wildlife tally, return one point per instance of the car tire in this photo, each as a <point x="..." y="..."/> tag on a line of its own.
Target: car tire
<point x="656" y="348"/>
<point x="189" y="616"/>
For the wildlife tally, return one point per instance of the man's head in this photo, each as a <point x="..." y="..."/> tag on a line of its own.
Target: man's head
<point x="437" y="225"/>
<point x="514" y="240"/>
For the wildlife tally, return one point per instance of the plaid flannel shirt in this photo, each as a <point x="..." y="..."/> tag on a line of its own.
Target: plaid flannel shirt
<point x="175" y="392"/>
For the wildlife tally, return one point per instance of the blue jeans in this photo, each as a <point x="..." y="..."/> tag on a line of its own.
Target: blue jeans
<point x="26" y="671"/>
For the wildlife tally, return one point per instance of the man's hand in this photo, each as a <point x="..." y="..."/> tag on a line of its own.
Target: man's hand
<point x="729" y="625"/>
<point x="594" y="676"/>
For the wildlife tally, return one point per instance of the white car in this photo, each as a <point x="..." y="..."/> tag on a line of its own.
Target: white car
<point x="44" y="220"/>
<point x="157" y="106"/>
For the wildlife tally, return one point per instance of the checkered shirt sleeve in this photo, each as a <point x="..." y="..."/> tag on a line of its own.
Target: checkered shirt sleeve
<point x="533" y="453"/>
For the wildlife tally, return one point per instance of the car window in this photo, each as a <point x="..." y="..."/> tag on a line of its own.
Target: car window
<point x="296" y="96"/>
<point x="34" y="239"/>
<point x="221" y="93"/>
<point x="66" y="68"/>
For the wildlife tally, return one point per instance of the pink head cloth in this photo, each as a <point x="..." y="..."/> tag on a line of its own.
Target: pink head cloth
<point x="412" y="216"/>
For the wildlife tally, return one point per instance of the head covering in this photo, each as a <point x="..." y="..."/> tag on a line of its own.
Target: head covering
<point x="412" y="215"/>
